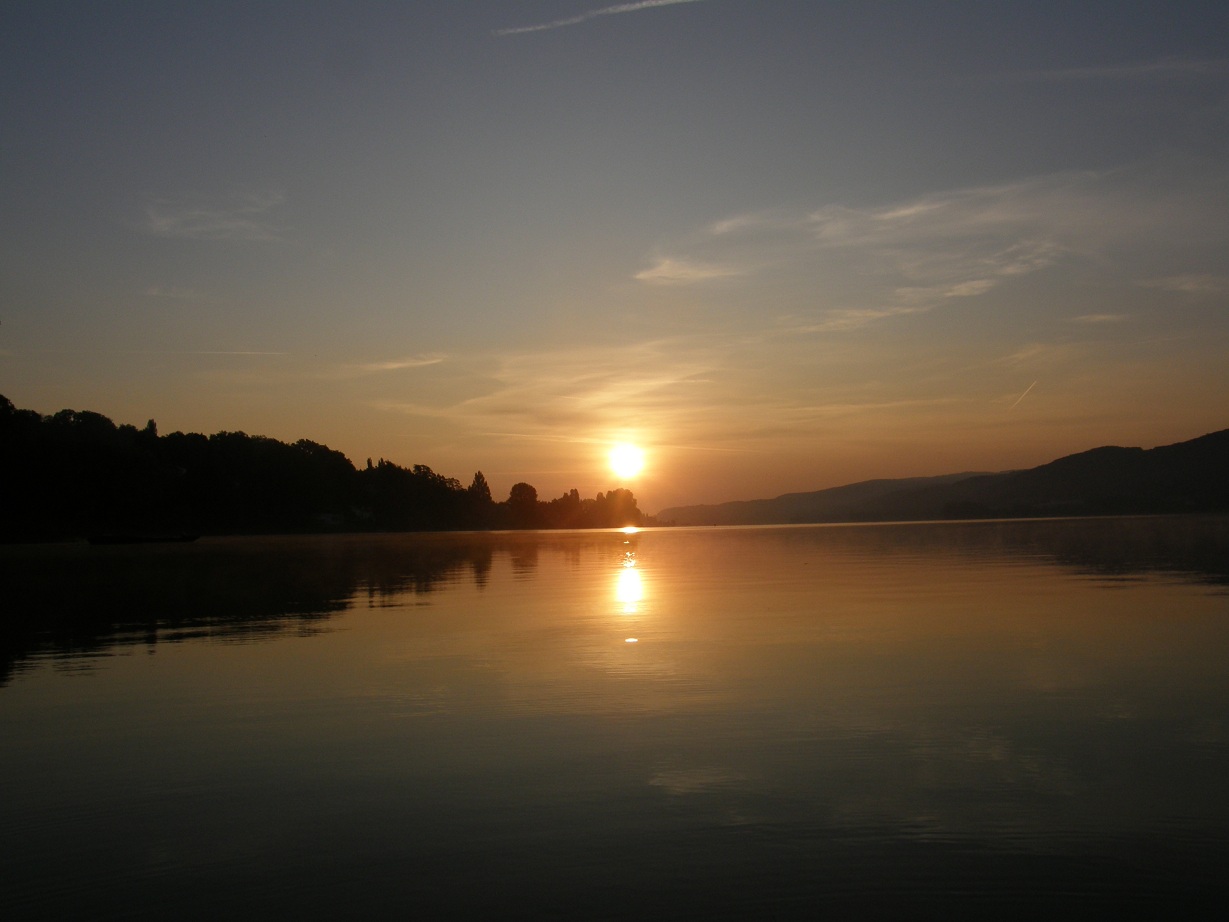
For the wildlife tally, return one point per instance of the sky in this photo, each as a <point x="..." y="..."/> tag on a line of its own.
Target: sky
<point x="781" y="245"/>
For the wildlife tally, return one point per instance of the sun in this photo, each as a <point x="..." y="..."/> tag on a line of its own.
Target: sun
<point x="626" y="460"/>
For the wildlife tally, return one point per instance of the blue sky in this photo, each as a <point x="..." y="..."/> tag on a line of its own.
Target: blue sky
<point x="783" y="245"/>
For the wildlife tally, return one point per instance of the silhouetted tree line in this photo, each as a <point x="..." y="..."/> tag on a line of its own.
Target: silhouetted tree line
<point x="76" y="474"/>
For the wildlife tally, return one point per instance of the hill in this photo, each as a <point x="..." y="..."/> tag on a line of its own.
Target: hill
<point x="1185" y="477"/>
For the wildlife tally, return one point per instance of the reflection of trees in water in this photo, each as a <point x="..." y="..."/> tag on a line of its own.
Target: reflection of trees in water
<point x="480" y="563"/>
<point x="525" y="561"/>
<point x="1193" y="546"/>
<point x="69" y="601"/>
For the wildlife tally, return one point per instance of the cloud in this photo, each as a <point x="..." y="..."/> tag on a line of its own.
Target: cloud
<point x="755" y="223"/>
<point x="592" y="14"/>
<point x="896" y="259"/>
<point x="1010" y="227"/>
<point x="1043" y="355"/>
<point x="1167" y="68"/>
<point x="241" y="218"/>
<point x="1190" y="284"/>
<point x="202" y="352"/>
<point x="577" y="386"/>
<point x="844" y="321"/>
<point x="410" y="408"/>
<point x="580" y="392"/>
<point x="970" y="289"/>
<point x="680" y="271"/>
<point x="863" y="264"/>
<point x="364" y="369"/>
<point x="964" y="237"/>
<point x="930" y="295"/>
<point x="1099" y="318"/>
<point x="414" y="361"/>
<point x="703" y="391"/>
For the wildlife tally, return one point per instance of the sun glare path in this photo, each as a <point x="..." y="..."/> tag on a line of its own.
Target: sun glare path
<point x="626" y="460"/>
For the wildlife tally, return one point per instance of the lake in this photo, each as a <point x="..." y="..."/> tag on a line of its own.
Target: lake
<point x="982" y="719"/>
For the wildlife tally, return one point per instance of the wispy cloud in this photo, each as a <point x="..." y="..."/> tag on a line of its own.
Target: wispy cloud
<point x="847" y="320"/>
<point x="1190" y="284"/>
<point x="414" y="361"/>
<point x="705" y="391"/>
<point x="588" y="15"/>
<point x="903" y="258"/>
<point x="575" y="391"/>
<point x="959" y="241"/>
<point x="746" y="223"/>
<point x="667" y="271"/>
<point x="577" y="388"/>
<point x="867" y="264"/>
<point x="240" y="218"/>
<point x="1099" y="318"/>
<point x="1009" y="229"/>
<point x="1166" y="68"/>
<point x="363" y="369"/>
<point x="202" y="352"/>
<point x="1044" y="355"/>
<point x="929" y="295"/>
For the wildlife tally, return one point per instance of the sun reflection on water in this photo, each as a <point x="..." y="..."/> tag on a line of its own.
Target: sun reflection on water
<point x="629" y="588"/>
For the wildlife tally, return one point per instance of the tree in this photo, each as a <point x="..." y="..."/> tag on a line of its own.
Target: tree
<point x="480" y="490"/>
<point x="565" y="512"/>
<point x="76" y="473"/>
<point x="523" y="505"/>
<point x="478" y="508"/>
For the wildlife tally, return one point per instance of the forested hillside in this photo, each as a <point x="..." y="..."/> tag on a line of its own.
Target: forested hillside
<point x="76" y="474"/>
<point x="1185" y="477"/>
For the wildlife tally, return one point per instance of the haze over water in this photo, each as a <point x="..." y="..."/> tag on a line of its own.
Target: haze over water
<point x="978" y="718"/>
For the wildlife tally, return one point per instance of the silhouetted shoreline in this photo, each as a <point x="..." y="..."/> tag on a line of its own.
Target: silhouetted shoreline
<point x="77" y="475"/>
<point x="1185" y="478"/>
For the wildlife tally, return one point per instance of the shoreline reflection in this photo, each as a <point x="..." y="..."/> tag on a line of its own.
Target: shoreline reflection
<point x="952" y="718"/>
<point x="69" y="601"/>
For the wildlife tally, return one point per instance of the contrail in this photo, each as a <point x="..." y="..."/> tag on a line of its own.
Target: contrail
<point x="592" y="14"/>
<point x="1022" y="396"/>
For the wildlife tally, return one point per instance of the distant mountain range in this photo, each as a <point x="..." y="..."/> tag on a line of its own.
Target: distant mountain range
<point x="1187" y="477"/>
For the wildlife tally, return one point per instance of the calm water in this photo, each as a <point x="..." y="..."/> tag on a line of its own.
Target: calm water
<point x="983" y="720"/>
